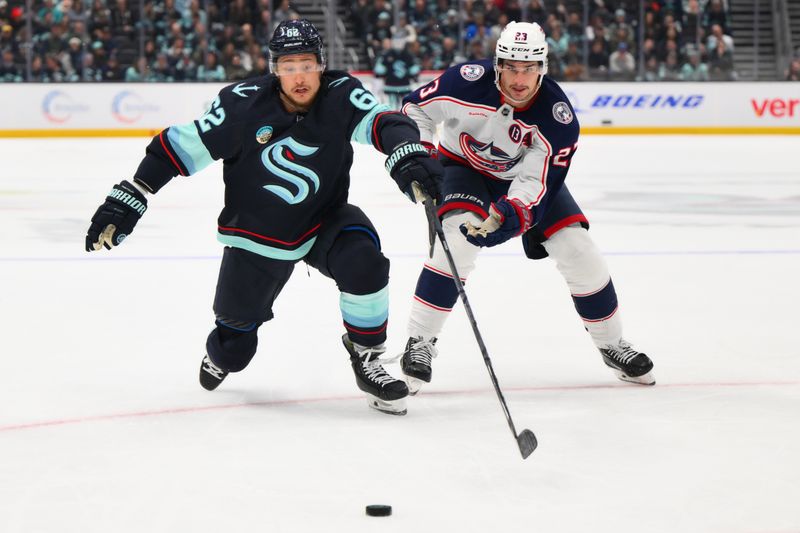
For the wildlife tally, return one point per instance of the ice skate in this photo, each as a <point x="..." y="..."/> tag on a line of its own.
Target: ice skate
<point x="210" y="374"/>
<point x="628" y="364"/>
<point x="416" y="362"/>
<point x="384" y="393"/>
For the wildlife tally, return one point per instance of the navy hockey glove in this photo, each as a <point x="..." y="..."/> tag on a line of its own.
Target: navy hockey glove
<point x="116" y="218"/>
<point x="410" y="162"/>
<point x="507" y="218"/>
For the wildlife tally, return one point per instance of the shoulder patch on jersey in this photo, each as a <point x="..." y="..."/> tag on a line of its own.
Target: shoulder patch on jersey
<point x="562" y="113"/>
<point x="264" y="134"/>
<point x="472" y="72"/>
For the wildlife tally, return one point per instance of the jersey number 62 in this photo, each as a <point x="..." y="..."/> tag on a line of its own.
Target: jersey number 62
<point x="213" y="117"/>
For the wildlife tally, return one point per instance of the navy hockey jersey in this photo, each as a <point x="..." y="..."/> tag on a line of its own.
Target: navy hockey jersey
<point x="283" y="171"/>
<point x="398" y="68"/>
<point x="531" y="147"/>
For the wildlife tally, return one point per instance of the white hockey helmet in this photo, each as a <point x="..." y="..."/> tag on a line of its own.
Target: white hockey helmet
<point x="521" y="41"/>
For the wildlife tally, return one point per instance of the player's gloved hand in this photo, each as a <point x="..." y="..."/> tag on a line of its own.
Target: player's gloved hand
<point x="507" y="218"/>
<point x="410" y="162"/>
<point x="116" y="218"/>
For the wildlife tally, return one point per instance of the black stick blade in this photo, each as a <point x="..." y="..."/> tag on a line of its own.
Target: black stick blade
<point x="527" y="442"/>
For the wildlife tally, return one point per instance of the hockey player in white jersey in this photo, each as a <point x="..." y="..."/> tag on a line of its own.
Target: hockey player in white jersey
<point x="508" y="134"/>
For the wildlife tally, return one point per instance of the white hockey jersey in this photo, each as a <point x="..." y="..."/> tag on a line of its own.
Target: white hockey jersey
<point x="531" y="147"/>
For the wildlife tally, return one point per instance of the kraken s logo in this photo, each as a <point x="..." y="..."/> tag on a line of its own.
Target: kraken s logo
<point x="279" y="160"/>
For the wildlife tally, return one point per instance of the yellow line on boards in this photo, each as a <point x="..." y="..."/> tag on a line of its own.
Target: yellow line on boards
<point x="586" y="130"/>
<point x="72" y="133"/>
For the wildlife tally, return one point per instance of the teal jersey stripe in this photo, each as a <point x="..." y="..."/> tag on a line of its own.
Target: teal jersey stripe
<point x="363" y="132"/>
<point x="365" y="310"/>
<point x="190" y="148"/>
<point x="267" y="251"/>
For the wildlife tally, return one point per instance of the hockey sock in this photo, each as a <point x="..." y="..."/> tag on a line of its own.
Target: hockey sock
<point x="434" y="298"/>
<point x="436" y="292"/>
<point x="586" y="273"/>
<point x="232" y="348"/>
<point x="365" y="316"/>
<point x="598" y="311"/>
<point x="362" y="274"/>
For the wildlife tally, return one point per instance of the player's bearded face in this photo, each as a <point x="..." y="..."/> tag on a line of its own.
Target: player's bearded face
<point x="299" y="77"/>
<point x="519" y="79"/>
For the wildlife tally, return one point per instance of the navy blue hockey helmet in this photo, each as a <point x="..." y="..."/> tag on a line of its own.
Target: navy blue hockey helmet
<point x="295" y="37"/>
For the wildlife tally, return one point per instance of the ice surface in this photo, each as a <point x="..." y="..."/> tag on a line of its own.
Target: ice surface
<point x="104" y="428"/>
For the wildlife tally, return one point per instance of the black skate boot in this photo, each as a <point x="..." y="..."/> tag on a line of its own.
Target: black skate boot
<point x="416" y="362"/>
<point x="628" y="364"/>
<point x="384" y="393"/>
<point x="210" y="374"/>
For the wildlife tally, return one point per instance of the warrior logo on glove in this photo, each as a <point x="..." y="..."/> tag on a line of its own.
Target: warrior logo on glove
<point x="115" y="219"/>
<point x="410" y="163"/>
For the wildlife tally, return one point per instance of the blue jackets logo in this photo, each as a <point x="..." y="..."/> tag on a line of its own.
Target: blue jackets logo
<point x="562" y="113"/>
<point x="486" y="156"/>
<point x="471" y="72"/>
<point x="279" y="159"/>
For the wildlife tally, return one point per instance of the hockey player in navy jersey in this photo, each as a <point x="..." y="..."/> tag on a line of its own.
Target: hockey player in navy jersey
<point x="507" y="140"/>
<point x="285" y="141"/>
<point x="398" y="68"/>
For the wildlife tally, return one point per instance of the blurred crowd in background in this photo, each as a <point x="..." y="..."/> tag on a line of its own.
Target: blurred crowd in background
<point x="213" y="40"/>
<point x="687" y="40"/>
<point x="100" y="40"/>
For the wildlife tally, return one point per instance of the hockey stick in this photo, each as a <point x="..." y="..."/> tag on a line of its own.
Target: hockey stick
<point x="526" y="440"/>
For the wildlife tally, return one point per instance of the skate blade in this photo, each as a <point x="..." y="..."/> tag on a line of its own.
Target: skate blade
<point x="414" y="385"/>
<point x="394" y="407"/>
<point x="644" y="379"/>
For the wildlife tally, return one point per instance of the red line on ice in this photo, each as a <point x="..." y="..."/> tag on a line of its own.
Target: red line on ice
<point x="199" y="409"/>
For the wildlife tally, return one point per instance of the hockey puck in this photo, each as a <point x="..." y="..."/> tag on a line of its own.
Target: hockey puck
<point x="379" y="510"/>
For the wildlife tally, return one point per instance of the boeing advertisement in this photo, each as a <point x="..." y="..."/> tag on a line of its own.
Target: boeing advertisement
<point x="142" y="108"/>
